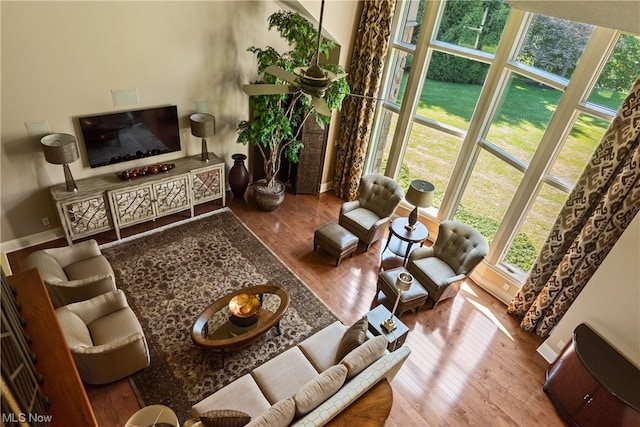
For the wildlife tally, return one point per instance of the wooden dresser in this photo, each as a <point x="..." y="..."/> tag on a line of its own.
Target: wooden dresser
<point x="69" y="405"/>
<point x="591" y="384"/>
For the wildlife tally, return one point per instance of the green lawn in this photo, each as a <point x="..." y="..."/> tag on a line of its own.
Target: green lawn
<point x="518" y="127"/>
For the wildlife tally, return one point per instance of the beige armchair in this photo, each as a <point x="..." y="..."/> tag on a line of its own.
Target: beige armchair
<point x="442" y="268"/>
<point x="366" y="217"/>
<point x="105" y="338"/>
<point x="73" y="273"/>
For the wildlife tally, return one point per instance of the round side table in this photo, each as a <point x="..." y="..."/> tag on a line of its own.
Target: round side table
<point x="405" y="238"/>
<point x="152" y="415"/>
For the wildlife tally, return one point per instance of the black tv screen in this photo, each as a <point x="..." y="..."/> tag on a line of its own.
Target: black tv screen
<point x="129" y="135"/>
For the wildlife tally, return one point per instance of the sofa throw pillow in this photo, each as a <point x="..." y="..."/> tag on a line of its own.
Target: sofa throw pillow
<point x="280" y="414"/>
<point x="364" y="355"/>
<point x="319" y="389"/>
<point x="225" y="418"/>
<point x="352" y="338"/>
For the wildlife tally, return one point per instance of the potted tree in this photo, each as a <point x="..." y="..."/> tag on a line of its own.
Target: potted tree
<point x="277" y="120"/>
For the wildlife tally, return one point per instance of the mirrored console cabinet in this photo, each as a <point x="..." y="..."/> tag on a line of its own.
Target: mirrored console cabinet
<point x="107" y="202"/>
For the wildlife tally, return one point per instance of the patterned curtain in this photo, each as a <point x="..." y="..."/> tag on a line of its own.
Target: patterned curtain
<point x="604" y="201"/>
<point x="364" y="78"/>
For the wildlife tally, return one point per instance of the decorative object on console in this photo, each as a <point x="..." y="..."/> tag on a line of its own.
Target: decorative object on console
<point x="203" y="125"/>
<point x="403" y="283"/>
<point x="420" y="195"/>
<point x="61" y="149"/>
<point x="238" y="176"/>
<point x="130" y="174"/>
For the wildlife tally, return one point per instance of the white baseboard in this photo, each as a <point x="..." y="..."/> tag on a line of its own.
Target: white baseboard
<point x="547" y="352"/>
<point x="33" y="239"/>
<point x="327" y="186"/>
<point x="490" y="287"/>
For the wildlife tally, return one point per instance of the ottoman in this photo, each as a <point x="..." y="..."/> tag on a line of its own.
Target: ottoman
<point x="336" y="240"/>
<point x="414" y="298"/>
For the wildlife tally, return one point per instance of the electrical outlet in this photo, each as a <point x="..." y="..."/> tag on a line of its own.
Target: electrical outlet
<point x="506" y="287"/>
<point x="45" y="221"/>
<point x="561" y="344"/>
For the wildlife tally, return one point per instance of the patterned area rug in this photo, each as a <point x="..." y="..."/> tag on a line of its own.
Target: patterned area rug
<point x="171" y="275"/>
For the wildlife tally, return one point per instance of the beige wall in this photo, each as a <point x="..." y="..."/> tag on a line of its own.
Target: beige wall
<point x="610" y="301"/>
<point x="61" y="60"/>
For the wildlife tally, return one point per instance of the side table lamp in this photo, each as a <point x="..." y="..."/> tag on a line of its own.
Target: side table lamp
<point x="61" y="149"/>
<point x="403" y="283"/>
<point x="203" y="125"/>
<point x="420" y="195"/>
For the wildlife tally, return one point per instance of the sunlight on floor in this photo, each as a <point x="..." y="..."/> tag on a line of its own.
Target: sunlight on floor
<point x="470" y="350"/>
<point x="468" y="289"/>
<point x="484" y="310"/>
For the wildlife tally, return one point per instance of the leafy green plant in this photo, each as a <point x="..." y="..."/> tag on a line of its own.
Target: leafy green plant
<point x="277" y="120"/>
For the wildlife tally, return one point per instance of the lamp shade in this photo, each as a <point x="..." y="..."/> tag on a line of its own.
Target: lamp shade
<point x="203" y="125"/>
<point x="60" y="148"/>
<point x="420" y="193"/>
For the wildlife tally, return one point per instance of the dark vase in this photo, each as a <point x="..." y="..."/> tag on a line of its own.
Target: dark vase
<point x="238" y="176"/>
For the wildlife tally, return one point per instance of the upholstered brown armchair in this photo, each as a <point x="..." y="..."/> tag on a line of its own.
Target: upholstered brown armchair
<point x="442" y="268"/>
<point x="366" y="217"/>
<point x="105" y="338"/>
<point x="73" y="273"/>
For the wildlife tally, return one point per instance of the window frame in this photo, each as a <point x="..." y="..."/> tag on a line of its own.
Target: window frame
<point x="503" y="63"/>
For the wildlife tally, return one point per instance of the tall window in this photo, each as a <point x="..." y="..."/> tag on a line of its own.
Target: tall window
<point x="590" y="122"/>
<point x="478" y="101"/>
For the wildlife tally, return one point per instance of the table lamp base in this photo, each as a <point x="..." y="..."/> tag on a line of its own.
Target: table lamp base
<point x="388" y="325"/>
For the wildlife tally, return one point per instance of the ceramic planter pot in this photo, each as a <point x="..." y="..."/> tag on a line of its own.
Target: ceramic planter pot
<point x="268" y="199"/>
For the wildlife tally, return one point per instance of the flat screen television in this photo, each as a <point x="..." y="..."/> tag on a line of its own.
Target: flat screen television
<point x="129" y="135"/>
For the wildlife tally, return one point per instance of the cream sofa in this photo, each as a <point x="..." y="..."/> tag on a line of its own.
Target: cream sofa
<point x="306" y="378"/>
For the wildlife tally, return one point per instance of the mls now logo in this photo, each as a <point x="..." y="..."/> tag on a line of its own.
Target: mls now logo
<point x="25" y="418"/>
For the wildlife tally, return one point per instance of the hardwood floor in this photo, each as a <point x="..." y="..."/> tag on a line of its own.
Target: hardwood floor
<point x="470" y="364"/>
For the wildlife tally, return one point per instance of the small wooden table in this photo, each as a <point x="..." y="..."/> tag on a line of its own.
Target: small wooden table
<point x="406" y="238"/>
<point x="396" y="337"/>
<point x="213" y="330"/>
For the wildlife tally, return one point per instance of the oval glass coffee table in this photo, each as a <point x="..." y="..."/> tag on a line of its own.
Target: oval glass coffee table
<point x="217" y="330"/>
